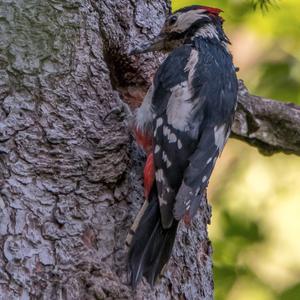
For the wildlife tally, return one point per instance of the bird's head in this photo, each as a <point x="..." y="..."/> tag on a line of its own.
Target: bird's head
<point x="183" y="26"/>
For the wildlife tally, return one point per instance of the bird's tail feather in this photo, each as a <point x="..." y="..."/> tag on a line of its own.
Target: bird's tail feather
<point x="150" y="245"/>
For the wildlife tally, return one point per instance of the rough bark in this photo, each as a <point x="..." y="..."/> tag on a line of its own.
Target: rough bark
<point x="70" y="175"/>
<point x="70" y="178"/>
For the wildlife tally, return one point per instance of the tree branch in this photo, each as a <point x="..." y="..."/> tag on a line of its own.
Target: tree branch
<point x="271" y="126"/>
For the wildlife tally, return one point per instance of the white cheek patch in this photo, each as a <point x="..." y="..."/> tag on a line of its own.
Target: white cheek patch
<point x="185" y="20"/>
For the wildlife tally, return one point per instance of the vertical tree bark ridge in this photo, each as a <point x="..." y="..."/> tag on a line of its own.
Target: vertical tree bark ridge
<point x="70" y="180"/>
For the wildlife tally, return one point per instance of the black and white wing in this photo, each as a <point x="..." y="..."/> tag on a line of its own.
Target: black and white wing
<point x="193" y="103"/>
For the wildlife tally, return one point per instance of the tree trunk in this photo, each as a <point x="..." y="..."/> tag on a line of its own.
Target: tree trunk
<point x="70" y="174"/>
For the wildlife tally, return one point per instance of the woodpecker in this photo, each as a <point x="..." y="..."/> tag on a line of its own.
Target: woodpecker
<point x="183" y="125"/>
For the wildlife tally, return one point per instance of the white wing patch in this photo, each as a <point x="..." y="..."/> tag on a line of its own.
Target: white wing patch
<point x="159" y="175"/>
<point x="191" y="65"/>
<point x="220" y="136"/>
<point x="169" y="135"/>
<point x="166" y="131"/>
<point x="180" y="105"/>
<point x="209" y="160"/>
<point x="172" y="138"/>
<point x="166" y="159"/>
<point x="156" y="149"/>
<point x="159" y="122"/>
<point x="179" y="144"/>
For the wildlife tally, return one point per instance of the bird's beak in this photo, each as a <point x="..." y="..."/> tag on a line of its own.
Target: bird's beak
<point x="155" y="45"/>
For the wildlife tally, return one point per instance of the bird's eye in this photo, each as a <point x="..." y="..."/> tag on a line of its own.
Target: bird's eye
<point x="172" y="20"/>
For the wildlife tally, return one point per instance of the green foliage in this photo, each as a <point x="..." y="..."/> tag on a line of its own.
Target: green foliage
<point x="262" y="4"/>
<point x="292" y="293"/>
<point x="280" y="80"/>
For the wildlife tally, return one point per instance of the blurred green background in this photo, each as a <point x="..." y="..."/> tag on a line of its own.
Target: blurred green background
<point x="255" y="227"/>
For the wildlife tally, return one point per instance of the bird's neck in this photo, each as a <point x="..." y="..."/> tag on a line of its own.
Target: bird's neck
<point x="210" y="33"/>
